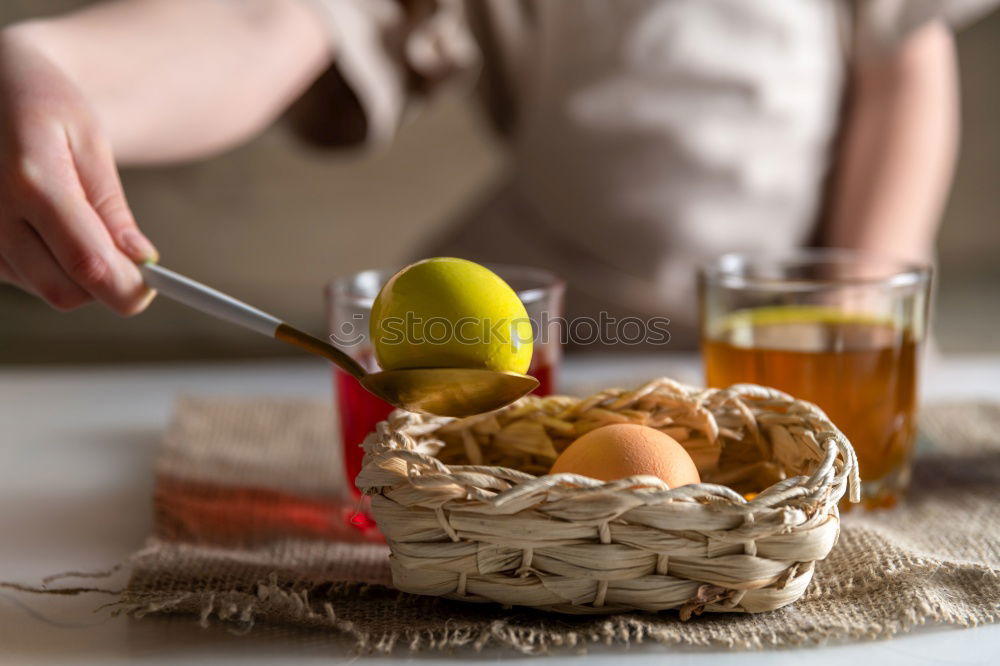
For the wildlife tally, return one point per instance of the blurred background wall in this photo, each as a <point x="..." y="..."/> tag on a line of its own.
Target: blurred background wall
<point x="273" y="221"/>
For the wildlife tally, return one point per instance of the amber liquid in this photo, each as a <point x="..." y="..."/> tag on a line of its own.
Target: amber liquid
<point x="862" y="375"/>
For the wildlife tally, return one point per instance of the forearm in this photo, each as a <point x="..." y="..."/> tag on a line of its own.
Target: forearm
<point x="897" y="151"/>
<point x="176" y="79"/>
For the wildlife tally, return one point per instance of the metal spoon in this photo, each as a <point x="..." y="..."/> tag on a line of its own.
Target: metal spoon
<point x="440" y="391"/>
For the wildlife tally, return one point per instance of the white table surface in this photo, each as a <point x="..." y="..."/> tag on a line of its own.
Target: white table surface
<point x="76" y="473"/>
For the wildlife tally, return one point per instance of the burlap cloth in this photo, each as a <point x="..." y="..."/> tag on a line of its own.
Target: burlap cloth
<point x="252" y="527"/>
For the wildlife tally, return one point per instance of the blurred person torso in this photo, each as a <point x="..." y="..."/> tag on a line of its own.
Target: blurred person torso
<point x="654" y="135"/>
<point x="646" y="136"/>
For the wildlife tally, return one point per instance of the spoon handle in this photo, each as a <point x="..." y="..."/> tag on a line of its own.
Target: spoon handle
<point x="217" y="304"/>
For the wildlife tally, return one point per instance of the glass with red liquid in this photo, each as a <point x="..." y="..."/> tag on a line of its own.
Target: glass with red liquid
<point x="349" y="302"/>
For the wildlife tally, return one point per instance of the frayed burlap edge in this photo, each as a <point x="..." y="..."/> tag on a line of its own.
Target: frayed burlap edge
<point x="306" y="607"/>
<point x="295" y="607"/>
<point x="325" y="606"/>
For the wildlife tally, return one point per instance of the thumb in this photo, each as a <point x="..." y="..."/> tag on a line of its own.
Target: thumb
<point x="98" y="175"/>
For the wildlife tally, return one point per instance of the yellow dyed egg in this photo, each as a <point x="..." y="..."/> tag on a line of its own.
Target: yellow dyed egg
<point x="622" y="450"/>
<point x="450" y="313"/>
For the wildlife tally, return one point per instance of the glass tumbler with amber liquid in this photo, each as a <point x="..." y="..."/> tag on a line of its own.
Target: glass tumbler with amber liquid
<point x="837" y="328"/>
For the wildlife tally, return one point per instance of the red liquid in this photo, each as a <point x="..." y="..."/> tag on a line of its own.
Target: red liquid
<point x="546" y="376"/>
<point x="360" y="412"/>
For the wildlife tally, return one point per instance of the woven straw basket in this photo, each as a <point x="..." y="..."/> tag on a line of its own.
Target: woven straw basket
<point x="467" y="518"/>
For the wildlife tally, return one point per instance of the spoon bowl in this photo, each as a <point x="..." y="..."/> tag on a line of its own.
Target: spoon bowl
<point x="448" y="391"/>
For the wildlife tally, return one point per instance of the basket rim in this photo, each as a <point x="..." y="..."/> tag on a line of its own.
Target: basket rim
<point x="651" y="490"/>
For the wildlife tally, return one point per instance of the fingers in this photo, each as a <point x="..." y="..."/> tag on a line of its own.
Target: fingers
<point x="74" y="225"/>
<point x="28" y="263"/>
<point x="98" y="174"/>
<point x="82" y="245"/>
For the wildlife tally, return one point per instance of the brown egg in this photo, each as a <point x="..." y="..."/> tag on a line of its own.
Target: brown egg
<point x="619" y="451"/>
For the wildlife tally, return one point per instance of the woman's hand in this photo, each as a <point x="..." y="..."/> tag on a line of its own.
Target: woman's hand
<point x="66" y="232"/>
<point x="156" y="80"/>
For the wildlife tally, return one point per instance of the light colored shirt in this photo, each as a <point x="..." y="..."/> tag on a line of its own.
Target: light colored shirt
<point x="646" y="137"/>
